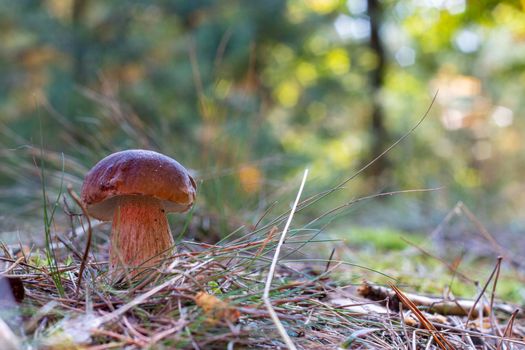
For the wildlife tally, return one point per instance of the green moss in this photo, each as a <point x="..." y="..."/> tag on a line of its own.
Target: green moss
<point x="380" y="238"/>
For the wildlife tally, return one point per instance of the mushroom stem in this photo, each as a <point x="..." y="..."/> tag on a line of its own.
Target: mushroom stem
<point x="141" y="236"/>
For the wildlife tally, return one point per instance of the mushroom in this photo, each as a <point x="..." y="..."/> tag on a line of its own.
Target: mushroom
<point x="135" y="189"/>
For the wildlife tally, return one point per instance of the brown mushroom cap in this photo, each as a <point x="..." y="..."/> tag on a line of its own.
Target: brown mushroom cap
<point x="137" y="173"/>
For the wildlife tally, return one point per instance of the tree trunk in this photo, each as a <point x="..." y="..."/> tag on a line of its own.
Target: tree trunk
<point x="79" y="41"/>
<point x="380" y="137"/>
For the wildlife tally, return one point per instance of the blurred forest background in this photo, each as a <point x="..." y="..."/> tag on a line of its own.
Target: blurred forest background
<point x="248" y="94"/>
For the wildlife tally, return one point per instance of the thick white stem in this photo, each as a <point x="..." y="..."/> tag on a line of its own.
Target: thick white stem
<point x="140" y="235"/>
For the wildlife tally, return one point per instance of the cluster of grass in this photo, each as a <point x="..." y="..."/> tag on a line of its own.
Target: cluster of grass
<point x="169" y="316"/>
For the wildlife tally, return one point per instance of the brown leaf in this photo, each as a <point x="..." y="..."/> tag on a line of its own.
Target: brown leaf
<point x="216" y="309"/>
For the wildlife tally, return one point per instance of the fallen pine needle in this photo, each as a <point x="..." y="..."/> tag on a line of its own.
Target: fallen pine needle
<point x="143" y="297"/>
<point x="438" y="337"/>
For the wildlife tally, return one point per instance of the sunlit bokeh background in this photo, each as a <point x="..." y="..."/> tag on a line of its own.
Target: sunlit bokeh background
<point x="249" y="94"/>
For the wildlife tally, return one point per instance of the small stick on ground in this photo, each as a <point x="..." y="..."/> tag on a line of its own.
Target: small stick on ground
<point x="266" y="294"/>
<point x="430" y="304"/>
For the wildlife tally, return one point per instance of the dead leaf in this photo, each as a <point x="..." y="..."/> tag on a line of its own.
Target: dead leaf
<point x="216" y="309"/>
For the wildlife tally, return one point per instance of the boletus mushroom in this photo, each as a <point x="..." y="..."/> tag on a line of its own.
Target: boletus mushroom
<point x="135" y="189"/>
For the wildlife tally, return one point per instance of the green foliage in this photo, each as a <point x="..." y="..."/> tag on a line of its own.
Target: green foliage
<point x="249" y="95"/>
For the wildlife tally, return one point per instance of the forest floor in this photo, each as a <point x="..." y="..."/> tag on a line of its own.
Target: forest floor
<point x="349" y="288"/>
